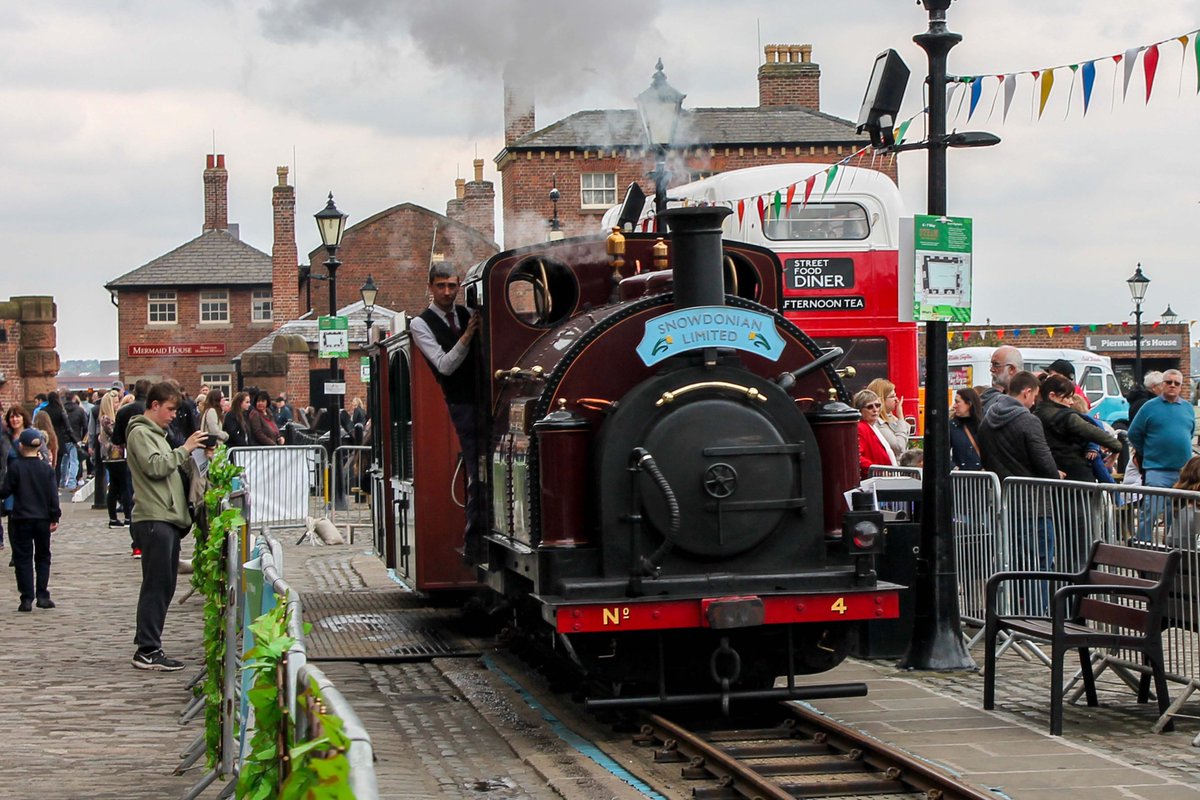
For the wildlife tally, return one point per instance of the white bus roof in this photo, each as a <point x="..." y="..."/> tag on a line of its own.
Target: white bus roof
<point x="871" y="188"/>
<point x="752" y="181"/>
<point x="968" y="354"/>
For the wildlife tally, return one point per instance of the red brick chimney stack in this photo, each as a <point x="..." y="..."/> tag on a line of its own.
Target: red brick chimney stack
<point x="519" y="118"/>
<point x="285" y="274"/>
<point x="789" y="78"/>
<point x="216" y="195"/>
<point x="474" y="203"/>
<point x="479" y="203"/>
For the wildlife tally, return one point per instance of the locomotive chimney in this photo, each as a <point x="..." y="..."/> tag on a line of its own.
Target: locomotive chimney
<point x="696" y="254"/>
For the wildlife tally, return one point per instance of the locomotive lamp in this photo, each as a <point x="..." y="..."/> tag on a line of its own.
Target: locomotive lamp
<point x="660" y="252"/>
<point x="332" y="224"/>
<point x="1138" y="284"/>
<point x="660" y="107"/>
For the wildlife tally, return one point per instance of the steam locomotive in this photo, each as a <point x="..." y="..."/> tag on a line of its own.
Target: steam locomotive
<point x="666" y="459"/>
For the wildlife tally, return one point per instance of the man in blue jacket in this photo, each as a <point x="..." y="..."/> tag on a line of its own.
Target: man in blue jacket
<point x="1162" y="434"/>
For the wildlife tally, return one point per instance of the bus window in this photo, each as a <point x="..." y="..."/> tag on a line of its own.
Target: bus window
<point x="839" y="221"/>
<point x="868" y="356"/>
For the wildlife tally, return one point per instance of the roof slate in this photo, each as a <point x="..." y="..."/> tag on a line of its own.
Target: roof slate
<point x="699" y="126"/>
<point x="214" y="257"/>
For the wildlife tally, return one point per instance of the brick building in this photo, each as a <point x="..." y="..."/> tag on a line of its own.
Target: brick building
<point x="1163" y="346"/>
<point x="395" y="248"/>
<point x="28" y="359"/>
<point x="185" y="314"/>
<point x="591" y="156"/>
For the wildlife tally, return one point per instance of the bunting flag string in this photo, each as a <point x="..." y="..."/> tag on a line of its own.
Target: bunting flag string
<point x="1124" y="66"/>
<point x="1050" y="330"/>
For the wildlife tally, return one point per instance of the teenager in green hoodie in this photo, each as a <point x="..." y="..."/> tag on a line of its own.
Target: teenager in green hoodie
<point x="160" y="518"/>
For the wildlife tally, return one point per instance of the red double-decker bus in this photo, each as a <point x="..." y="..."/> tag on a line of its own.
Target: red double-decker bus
<point x="839" y="249"/>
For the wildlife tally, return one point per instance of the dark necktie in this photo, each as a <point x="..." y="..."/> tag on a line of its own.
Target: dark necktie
<point x="452" y="322"/>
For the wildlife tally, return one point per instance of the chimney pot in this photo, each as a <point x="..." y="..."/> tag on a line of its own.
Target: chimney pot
<point x="211" y="158"/>
<point x="771" y="51"/>
<point x="282" y="173"/>
<point x="220" y="161"/>
<point x="460" y="188"/>
<point x="806" y="53"/>
<point x="478" y="163"/>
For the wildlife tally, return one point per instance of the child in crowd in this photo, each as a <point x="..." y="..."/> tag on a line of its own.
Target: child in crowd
<point x="34" y="488"/>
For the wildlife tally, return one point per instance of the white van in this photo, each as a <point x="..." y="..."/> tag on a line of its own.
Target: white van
<point x="970" y="366"/>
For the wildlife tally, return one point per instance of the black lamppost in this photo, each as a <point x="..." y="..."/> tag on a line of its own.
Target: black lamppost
<point x="937" y="641"/>
<point x="660" y="107"/>
<point x="369" y="291"/>
<point x="332" y="224"/>
<point x="1169" y="317"/>
<point x="556" y="231"/>
<point x="1138" y="284"/>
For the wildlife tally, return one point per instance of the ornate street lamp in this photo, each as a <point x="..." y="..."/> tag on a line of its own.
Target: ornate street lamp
<point x="369" y="291"/>
<point x="332" y="224"/>
<point x="1138" y="284"/>
<point x="1169" y="317"/>
<point x="660" y="107"/>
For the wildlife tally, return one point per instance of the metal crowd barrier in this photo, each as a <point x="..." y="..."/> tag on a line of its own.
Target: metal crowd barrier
<point x="880" y="471"/>
<point x="352" y="488"/>
<point x="299" y="675"/>
<point x="978" y="532"/>
<point x="285" y="484"/>
<point x="1042" y="524"/>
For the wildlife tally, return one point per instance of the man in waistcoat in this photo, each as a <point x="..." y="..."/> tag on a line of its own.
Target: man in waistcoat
<point x="444" y="333"/>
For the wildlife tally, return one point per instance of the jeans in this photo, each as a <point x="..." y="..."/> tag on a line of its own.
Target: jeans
<point x="1152" y="506"/>
<point x="30" y="540"/>
<point x="118" y="489"/>
<point x="68" y="465"/>
<point x="160" y="571"/>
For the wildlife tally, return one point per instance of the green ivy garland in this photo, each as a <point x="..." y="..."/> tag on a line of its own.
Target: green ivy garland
<point x="209" y="577"/>
<point x="260" y="775"/>
<point x="320" y="769"/>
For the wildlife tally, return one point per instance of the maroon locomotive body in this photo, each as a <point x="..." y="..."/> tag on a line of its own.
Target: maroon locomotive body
<point x="666" y="462"/>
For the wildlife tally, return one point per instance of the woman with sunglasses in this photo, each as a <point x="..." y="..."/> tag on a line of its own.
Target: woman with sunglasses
<point x="873" y="449"/>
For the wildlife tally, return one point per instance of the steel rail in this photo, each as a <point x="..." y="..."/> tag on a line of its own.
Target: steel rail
<point x="882" y="768"/>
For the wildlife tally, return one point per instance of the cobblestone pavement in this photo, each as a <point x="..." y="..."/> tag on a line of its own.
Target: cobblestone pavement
<point x="78" y="720"/>
<point x="450" y="727"/>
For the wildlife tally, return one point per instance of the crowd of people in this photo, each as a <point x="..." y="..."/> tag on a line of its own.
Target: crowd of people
<point x="144" y="441"/>
<point x="1037" y="425"/>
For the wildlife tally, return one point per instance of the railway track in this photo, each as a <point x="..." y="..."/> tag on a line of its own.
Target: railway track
<point x="804" y="755"/>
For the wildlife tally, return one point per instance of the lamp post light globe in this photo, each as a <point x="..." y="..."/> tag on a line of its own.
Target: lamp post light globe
<point x="660" y="107"/>
<point x="1169" y="317"/>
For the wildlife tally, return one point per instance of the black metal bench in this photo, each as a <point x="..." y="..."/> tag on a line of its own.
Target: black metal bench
<point x="1117" y="601"/>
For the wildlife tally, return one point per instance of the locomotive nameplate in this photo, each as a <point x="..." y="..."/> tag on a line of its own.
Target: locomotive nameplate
<point x="709" y="326"/>
<point x="642" y="615"/>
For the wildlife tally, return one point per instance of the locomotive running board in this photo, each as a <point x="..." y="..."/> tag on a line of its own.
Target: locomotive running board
<point x="820" y="691"/>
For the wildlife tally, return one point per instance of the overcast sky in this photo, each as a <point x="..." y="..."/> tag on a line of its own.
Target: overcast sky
<point x="109" y="109"/>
